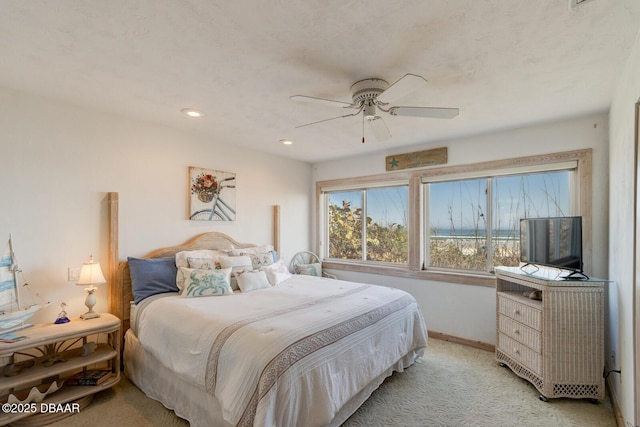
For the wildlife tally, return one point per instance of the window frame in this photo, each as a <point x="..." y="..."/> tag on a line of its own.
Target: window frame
<point x="323" y="202"/>
<point x="489" y="177"/>
<point x="581" y="205"/>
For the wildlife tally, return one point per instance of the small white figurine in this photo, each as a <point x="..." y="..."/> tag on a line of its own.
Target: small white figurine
<point x="62" y="316"/>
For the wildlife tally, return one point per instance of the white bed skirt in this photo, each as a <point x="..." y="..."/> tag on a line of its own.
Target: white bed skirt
<point x="202" y="409"/>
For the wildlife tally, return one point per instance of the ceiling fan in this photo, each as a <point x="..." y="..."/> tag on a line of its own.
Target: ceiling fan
<point x="370" y="95"/>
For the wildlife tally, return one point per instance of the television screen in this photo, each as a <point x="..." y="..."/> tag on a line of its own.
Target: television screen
<point x="554" y="242"/>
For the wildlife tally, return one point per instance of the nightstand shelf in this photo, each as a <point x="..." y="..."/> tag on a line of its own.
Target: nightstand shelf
<point x="60" y="347"/>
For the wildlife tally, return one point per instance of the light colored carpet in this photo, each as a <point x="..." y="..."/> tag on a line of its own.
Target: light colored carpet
<point x="453" y="385"/>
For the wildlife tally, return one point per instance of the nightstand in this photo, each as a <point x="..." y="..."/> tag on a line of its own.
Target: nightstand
<point x="51" y="353"/>
<point x="555" y="341"/>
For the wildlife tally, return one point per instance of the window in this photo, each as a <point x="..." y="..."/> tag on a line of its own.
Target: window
<point x="459" y="214"/>
<point x="457" y="224"/>
<point x="449" y="223"/>
<point x="368" y="224"/>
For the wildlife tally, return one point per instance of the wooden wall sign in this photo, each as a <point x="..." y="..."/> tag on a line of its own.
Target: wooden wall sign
<point x="436" y="156"/>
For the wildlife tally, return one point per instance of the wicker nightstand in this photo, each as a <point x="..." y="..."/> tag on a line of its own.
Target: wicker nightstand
<point x="51" y="353"/>
<point x="556" y="343"/>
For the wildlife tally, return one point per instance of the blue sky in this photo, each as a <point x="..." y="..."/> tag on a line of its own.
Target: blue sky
<point x="384" y="205"/>
<point x="515" y="197"/>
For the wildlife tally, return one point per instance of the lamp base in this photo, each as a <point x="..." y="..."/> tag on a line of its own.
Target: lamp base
<point x="90" y="315"/>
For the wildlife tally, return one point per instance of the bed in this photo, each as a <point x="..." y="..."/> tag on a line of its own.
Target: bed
<point x="305" y="352"/>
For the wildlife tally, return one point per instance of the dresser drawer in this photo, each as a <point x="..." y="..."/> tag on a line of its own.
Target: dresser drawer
<point x="520" y="332"/>
<point x="522" y="354"/>
<point x="516" y="310"/>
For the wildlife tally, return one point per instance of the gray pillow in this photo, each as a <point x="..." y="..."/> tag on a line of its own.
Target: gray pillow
<point x="151" y="276"/>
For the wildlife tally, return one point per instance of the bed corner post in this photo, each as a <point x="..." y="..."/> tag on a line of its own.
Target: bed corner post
<point x="115" y="302"/>
<point x="276" y="228"/>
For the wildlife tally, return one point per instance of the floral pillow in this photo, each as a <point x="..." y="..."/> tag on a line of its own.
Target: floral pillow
<point x="261" y="256"/>
<point x="309" y="269"/>
<point x="204" y="263"/>
<point x="201" y="283"/>
<point x="277" y="273"/>
<point x="262" y="259"/>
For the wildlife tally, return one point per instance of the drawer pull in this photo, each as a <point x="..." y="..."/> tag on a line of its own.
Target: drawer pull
<point x="516" y="311"/>
<point x="517" y="332"/>
<point x="516" y="351"/>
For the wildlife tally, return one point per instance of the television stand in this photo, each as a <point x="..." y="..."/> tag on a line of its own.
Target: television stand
<point x="554" y="338"/>
<point x="575" y="275"/>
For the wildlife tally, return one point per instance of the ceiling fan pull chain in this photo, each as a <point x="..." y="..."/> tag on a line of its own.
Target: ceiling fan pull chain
<point x="363" y="128"/>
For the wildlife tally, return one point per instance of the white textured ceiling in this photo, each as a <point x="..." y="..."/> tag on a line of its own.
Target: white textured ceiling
<point x="504" y="63"/>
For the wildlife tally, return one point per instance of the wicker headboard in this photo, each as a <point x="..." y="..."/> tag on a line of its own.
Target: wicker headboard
<point x="212" y="240"/>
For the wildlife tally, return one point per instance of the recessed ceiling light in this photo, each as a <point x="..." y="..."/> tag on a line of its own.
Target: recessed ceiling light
<point x="192" y="113"/>
<point x="286" y="141"/>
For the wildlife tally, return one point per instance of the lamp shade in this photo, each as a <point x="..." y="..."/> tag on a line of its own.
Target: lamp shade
<point x="91" y="274"/>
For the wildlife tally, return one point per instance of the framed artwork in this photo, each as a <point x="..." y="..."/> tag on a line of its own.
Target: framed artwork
<point x="213" y="195"/>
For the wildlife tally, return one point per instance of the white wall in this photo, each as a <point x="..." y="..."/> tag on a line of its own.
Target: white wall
<point x="621" y="261"/>
<point x="58" y="161"/>
<point x="469" y="311"/>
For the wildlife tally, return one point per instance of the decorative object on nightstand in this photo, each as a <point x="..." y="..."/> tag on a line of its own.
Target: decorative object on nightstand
<point x="90" y="274"/>
<point x="62" y="316"/>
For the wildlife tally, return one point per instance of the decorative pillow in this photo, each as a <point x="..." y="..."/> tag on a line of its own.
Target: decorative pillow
<point x="262" y="259"/>
<point x="251" y="280"/>
<point x="309" y="269"/>
<point x="236" y="263"/>
<point x="202" y="283"/>
<point x="182" y="261"/>
<point x="277" y="272"/>
<point x="151" y="276"/>
<point x="204" y="263"/>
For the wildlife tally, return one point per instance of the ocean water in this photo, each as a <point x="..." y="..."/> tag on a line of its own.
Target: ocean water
<point x="469" y="233"/>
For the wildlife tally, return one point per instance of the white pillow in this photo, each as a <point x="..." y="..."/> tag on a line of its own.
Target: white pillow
<point x="277" y="272"/>
<point x="201" y="283"/>
<point x="182" y="261"/>
<point x="251" y="280"/>
<point x="236" y="263"/>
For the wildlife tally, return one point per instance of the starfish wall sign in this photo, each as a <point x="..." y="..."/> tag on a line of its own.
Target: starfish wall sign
<point x="436" y="156"/>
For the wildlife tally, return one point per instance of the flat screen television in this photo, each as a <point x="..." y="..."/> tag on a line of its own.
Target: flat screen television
<point x="553" y="242"/>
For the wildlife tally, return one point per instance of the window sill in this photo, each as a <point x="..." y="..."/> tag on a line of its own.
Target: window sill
<point x="487" y="280"/>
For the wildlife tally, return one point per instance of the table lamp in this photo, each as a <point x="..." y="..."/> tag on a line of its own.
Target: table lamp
<point x="91" y="275"/>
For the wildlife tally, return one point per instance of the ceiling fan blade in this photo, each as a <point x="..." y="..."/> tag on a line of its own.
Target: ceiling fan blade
<point x="326" y="120"/>
<point x="430" y="112"/>
<point x="321" y="101"/>
<point x="379" y="128"/>
<point x="404" y="86"/>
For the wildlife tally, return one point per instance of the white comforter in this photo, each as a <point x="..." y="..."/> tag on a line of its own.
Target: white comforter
<point x="293" y="354"/>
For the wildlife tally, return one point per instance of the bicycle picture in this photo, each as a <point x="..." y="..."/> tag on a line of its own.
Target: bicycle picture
<point x="208" y="187"/>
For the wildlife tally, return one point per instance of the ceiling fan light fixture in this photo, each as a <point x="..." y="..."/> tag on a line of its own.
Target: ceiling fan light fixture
<point x="370" y="111"/>
<point x="191" y="112"/>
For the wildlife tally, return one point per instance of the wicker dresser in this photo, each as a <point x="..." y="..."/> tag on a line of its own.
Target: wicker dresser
<point x="556" y="342"/>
